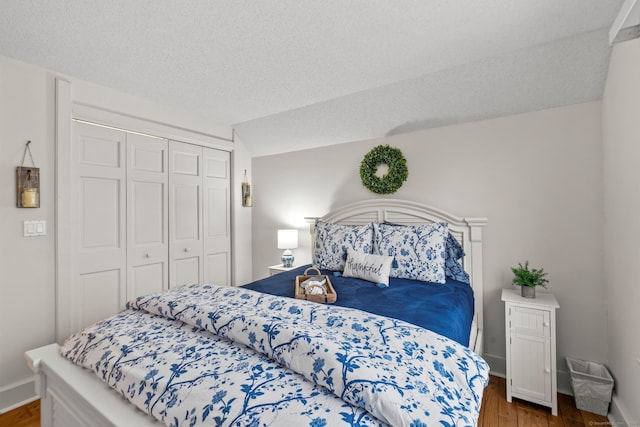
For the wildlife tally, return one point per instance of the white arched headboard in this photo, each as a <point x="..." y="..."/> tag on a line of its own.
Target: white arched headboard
<point x="468" y="231"/>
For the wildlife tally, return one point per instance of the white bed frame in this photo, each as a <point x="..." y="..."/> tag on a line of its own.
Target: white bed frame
<point x="72" y="396"/>
<point x="468" y="231"/>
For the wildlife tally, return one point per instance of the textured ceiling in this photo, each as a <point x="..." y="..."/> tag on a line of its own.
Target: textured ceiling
<point x="295" y="74"/>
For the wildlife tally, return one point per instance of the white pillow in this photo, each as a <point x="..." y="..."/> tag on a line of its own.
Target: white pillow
<point x="374" y="268"/>
<point x="418" y="251"/>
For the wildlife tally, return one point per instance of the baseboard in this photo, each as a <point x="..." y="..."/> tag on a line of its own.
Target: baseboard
<point x="16" y="395"/>
<point x="619" y="416"/>
<point x="564" y="382"/>
<point x="498" y="365"/>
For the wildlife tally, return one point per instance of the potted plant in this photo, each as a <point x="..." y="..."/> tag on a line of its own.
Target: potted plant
<point x="528" y="279"/>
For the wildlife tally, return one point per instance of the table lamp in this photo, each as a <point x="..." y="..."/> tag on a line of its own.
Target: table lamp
<point x="287" y="240"/>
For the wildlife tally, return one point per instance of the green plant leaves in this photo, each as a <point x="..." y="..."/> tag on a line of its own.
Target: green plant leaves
<point x="523" y="276"/>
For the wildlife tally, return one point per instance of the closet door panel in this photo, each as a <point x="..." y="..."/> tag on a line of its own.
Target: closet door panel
<point x="187" y="271"/>
<point x="147" y="215"/>
<point x="148" y="278"/>
<point x="217" y="224"/>
<point x="98" y="286"/>
<point x="186" y="159"/>
<point x="148" y="202"/>
<point x="100" y="295"/>
<point x="217" y="269"/>
<point x="100" y="213"/>
<point x="185" y="213"/>
<point x="217" y="218"/>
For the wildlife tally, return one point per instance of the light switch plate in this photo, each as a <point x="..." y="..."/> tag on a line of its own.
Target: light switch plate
<point x="35" y="228"/>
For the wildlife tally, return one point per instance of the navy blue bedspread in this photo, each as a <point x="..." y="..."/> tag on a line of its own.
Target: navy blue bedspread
<point x="443" y="308"/>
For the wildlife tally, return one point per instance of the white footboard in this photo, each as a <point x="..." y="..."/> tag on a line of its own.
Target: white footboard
<point x="71" y="396"/>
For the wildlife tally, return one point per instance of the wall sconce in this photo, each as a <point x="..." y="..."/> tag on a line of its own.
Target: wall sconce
<point x="287" y="240"/>
<point x="27" y="183"/>
<point x="246" y="191"/>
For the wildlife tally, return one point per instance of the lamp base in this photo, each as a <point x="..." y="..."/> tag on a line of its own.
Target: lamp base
<point x="287" y="259"/>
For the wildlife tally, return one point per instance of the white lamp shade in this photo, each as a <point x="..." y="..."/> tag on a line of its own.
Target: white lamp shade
<point x="287" y="239"/>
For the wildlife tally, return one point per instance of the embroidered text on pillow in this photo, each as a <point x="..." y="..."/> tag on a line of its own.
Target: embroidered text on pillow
<point x="374" y="268"/>
<point x="364" y="268"/>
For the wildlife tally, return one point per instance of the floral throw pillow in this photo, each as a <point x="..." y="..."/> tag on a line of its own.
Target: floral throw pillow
<point x="374" y="268"/>
<point x="419" y="251"/>
<point x="333" y="240"/>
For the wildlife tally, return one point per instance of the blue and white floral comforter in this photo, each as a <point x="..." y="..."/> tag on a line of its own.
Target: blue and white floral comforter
<point x="207" y="355"/>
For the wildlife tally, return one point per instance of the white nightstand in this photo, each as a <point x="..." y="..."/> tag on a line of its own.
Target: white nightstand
<point x="530" y="326"/>
<point x="279" y="268"/>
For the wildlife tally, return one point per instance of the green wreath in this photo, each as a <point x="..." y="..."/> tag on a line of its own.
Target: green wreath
<point x="392" y="181"/>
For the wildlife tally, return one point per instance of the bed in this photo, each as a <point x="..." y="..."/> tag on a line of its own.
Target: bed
<point x="234" y="356"/>
<point x="467" y="231"/>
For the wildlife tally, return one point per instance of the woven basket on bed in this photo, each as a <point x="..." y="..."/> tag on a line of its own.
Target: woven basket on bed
<point x="328" y="295"/>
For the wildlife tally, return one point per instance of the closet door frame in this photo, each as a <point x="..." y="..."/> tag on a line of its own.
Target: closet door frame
<point x="67" y="110"/>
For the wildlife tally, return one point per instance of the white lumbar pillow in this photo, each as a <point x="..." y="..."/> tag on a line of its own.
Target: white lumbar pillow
<point x="374" y="268"/>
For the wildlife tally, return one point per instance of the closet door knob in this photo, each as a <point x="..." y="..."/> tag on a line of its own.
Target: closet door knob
<point x="545" y="324"/>
<point x="547" y="370"/>
<point x="187" y="250"/>
<point x="147" y="255"/>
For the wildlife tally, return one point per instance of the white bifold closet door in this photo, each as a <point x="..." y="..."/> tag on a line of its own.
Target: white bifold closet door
<point x="217" y="222"/>
<point x="99" y="252"/>
<point x="199" y="203"/>
<point x="149" y="214"/>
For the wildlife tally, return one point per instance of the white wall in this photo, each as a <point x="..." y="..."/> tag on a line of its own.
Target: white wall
<point x="241" y="238"/>
<point x="537" y="177"/>
<point x="621" y="128"/>
<point x="27" y="265"/>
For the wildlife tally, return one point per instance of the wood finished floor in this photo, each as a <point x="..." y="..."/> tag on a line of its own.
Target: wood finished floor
<point x="495" y="412"/>
<point x="24" y="416"/>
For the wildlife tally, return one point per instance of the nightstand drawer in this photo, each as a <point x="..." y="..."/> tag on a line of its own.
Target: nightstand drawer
<point x="530" y="321"/>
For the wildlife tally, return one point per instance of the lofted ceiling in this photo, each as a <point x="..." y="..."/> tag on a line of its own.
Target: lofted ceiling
<point x="295" y="74"/>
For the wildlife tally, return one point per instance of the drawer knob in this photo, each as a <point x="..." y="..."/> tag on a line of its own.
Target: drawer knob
<point x="187" y="250"/>
<point x="147" y="255"/>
